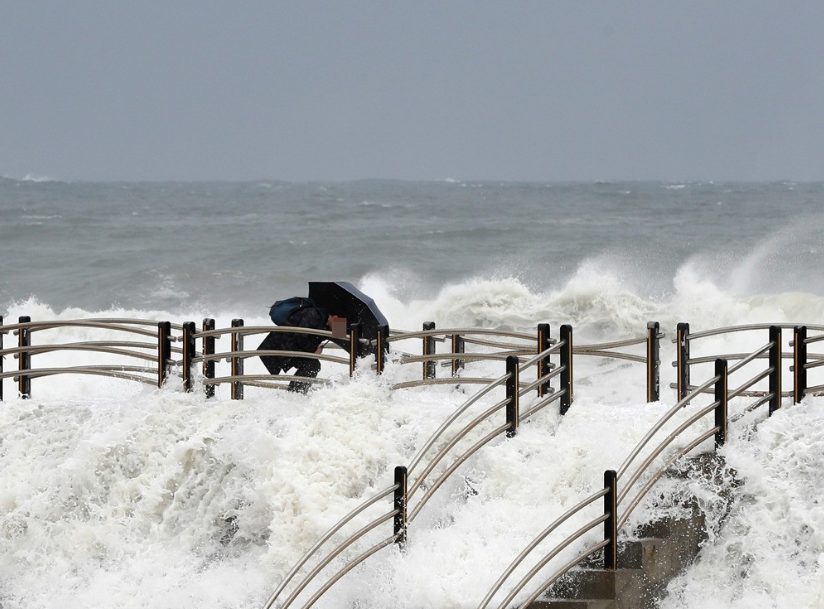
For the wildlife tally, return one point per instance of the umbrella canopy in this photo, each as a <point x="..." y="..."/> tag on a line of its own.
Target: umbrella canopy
<point x="345" y="300"/>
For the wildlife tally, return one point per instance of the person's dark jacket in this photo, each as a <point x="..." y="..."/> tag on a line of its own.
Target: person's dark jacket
<point x="310" y="317"/>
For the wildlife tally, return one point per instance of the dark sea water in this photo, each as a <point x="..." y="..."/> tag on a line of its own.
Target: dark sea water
<point x="239" y="245"/>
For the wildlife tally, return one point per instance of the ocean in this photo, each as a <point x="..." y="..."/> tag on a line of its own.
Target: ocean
<point x="114" y="494"/>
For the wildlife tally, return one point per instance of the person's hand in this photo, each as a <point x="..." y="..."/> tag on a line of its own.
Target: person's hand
<point x="319" y="350"/>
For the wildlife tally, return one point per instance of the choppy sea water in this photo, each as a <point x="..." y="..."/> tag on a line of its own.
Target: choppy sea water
<point x="122" y="496"/>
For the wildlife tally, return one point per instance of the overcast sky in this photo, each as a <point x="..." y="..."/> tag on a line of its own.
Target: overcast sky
<point x="509" y="90"/>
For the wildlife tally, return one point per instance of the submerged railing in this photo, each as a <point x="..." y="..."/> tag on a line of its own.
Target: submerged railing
<point x="646" y="473"/>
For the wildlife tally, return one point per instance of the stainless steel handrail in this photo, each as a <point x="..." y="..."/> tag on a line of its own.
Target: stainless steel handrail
<point x="661" y="422"/>
<point x="333" y="554"/>
<point x="326" y="537"/>
<point x="455" y="439"/>
<point x="120" y="372"/>
<point x="648" y="486"/>
<point x="536" y="541"/>
<point x="541" y="564"/>
<point x="451" y="419"/>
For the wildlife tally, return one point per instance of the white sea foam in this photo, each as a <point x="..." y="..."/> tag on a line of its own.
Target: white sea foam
<point x="159" y="498"/>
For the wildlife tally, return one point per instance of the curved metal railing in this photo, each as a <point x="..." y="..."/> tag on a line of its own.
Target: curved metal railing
<point x="157" y="353"/>
<point x="613" y="521"/>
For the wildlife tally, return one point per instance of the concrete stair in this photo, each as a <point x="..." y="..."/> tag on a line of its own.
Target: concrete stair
<point x="645" y="566"/>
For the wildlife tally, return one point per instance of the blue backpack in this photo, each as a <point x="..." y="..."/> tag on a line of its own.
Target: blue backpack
<point x="282" y="310"/>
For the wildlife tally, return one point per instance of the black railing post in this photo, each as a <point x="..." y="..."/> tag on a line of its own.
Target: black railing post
<point x="721" y="391"/>
<point x="355" y="349"/>
<point x="458" y="346"/>
<point x="382" y="348"/>
<point x="566" y="368"/>
<point x="775" y="364"/>
<point x="399" y="522"/>
<point x="164" y="351"/>
<point x="188" y="354"/>
<point x="237" y="362"/>
<point x="683" y="360"/>
<point x="24" y="358"/>
<point x="512" y="396"/>
<point x="544" y="365"/>
<point x="429" y="366"/>
<point x="653" y="362"/>
<point x="799" y="363"/>
<point x="611" y="523"/>
<point x="208" y="349"/>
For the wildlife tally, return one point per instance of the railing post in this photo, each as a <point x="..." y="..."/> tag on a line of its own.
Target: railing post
<point x="799" y="363"/>
<point x="653" y="362"/>
<point x="382" y="348"/>
<point x="775" y="364"/>
<point x="237" y="362"/>
<point x="164" y="351"/>
<point x="682" y="365"/>
<point x="457" y="347"/>
<point x="566" y="368"/>
<point x="24" y="358"/>
<point x="209" y="349"/>
<point x="512" y="396"/>
<point x="399" y="523"/>
<point x="611" y="523"/>
<point x="721" y="390"/>
<point x="429" y="366"/>
<point x="544" y="365"/>
<point x="188" y="354"/>
<point x="354" y="346"/>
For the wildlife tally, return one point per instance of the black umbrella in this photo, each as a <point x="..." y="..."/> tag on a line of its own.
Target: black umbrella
<point x="345" y="300"/>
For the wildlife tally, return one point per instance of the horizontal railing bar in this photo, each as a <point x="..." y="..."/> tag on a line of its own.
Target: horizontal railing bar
<point x="642" y="493"/>
<point x="543" y="562"/>
<point x="813" y="339"/>
<point x="248" y="354"/>
<point x="744" y="328"/>
<point x="249" y="330"/>
<point x="612" y="345"/>
<point x="455" y="380"/>
<point x="113" y="371"/>
<point x="455" y="465"/>
<point x="497" y="344"/>
<point x="537" y="540"/>
<point x="334" y="553"/>
<point x="326" y="537"/>
<point x="814" y="388"/>
<point x="613" y="355"/>
<point x="44" y="325"/>
<point x="259" y="380"/>
<point x="101" y="348"/>
<point x="466" y="357"/>
<point x="457" y="438"/>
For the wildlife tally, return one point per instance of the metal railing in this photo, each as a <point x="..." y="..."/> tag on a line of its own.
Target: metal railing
<point x="157" y="353"/>
<point x="646" y="472"/>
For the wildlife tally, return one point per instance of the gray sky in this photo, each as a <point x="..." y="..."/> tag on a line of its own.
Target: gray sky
<point x="549" y="90"/>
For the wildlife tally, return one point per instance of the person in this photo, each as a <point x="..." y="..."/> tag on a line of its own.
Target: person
<point x="305" y="317"/>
